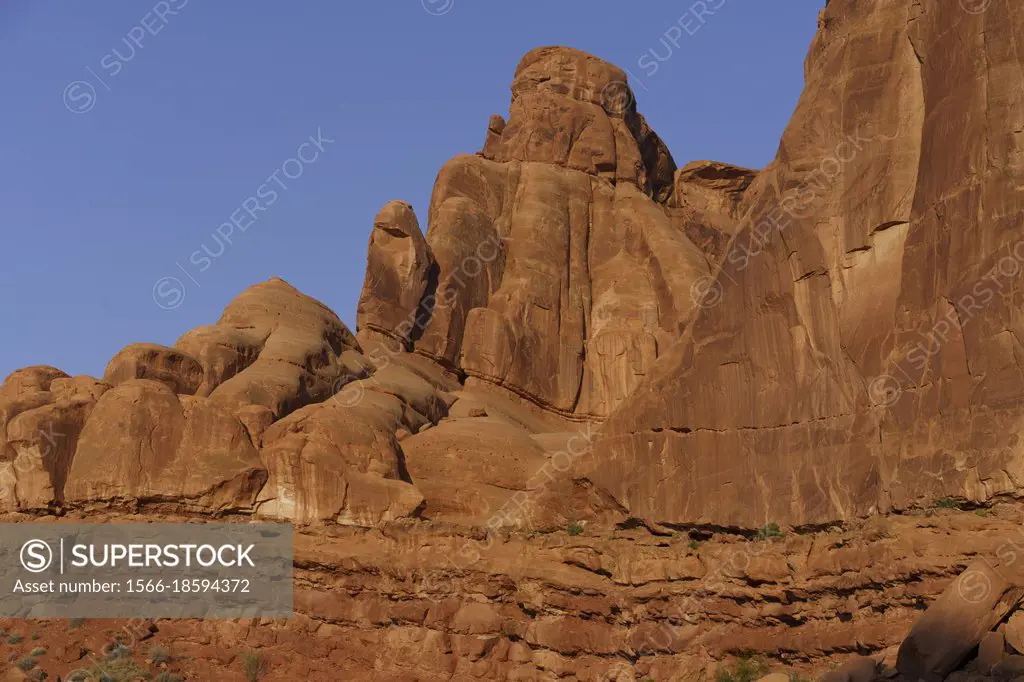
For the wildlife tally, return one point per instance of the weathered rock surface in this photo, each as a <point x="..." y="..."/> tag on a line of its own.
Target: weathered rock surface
<point x="560" y="276"/>
<point x="275" y="347"/>
<point x="609" y="418"/>
<point x="960" y="620"/>
<point x="42" y="413"/>
<point x="338" y="462"/>
<point x="856" y="352"/>
<point x="399" y="268"/>
<point x="421" y="602"/>
<point x="143" y="442"/>
<point x="181" y="372"/>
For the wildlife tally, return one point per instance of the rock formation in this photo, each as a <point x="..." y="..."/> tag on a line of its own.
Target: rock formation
<point x="560" y="275"/>
<point x="608" y="417"/>
<point x="857" y="352"/>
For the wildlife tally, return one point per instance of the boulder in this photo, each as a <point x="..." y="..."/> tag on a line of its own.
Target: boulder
<point x="957" y="622"/>
<point x="488" y="471"/>
<point x="180" y="371"/>
<point x="42" y="413"/>
<point x="991" y="651"/>
<point x="44" y="441"/>
<point x="142" y="442"/>
<point x="399" y="269"/>
<point x="1014" y="632"/>
<point x="492" y="141"/>
<point x="273" y="346"/>
<point x="470" y="468"/>
<point x="30" y="380"/>
<point x="340" y="460"/>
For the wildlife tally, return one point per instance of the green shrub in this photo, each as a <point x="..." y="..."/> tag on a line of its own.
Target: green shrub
<point x="946" y="503"/>
<point x="254" y="665"/>
<point x="15" y="638"/>
<point x="27" y="664"/>
<point x="744" y="670"/>
<point x="158" y="655"/>
<point x="694" y="545"/>
<point x="118" y="651"/>
<point x="574" y="529"/>
<point x="769" y="531"/>
<point x="168" y="677"/>
<point x="116" y="670"/>
<point x="38" y="651"/>
<point x="35" y="635"/>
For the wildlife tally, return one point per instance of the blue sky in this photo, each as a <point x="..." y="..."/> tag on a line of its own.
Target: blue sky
<point x="133" y="130"/>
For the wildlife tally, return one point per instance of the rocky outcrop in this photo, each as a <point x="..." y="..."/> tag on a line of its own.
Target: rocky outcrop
<point x="42" y="413"/>
<point x="182" y="373"/>
<point x="275" y="347"/>
<point x="399" y="270"/>
<point x="561" y="274"/>
<point x="427" y="602"/>
<point x="611" y="418"/>
<point x="960" y="622"/>
<point x="855" y="353"/>
<point x="341" y="460"/>
<point x="142" y="442"/>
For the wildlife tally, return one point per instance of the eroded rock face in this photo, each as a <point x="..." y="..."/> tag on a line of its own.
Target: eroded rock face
<point x="469" y="468"/>
<point x="572" y="109"/>
<point x="856" y="353"/>
<point x="42" y="413"/>
<point x="777" y="345"/>
<point x="322" y="456"/>
<point x="181" y="372"/>
<point x="399" y="268"/>
<point x="143" y="442"/>
<point x="561" y="273"/>
<point x="275" y="347"/>
<point x="833" y="338"/>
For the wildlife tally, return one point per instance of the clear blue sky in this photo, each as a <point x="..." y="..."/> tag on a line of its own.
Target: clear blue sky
<point x="171" y="133"/>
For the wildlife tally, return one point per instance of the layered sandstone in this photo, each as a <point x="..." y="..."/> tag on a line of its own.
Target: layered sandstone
<point x="421" y="602"/>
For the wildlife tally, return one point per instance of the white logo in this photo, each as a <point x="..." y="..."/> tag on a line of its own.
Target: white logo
<point x="169" y="293"/>
<point x="438" y="7"/>
<point x="884" y="391"/>
<point x="706" y="292"/>
<point x="617" y="98"/>
<point x="79" y="97"/>
<point x="36" y="556"/>
<point x="974" y="586"/>
<point x="975" y="6"/>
